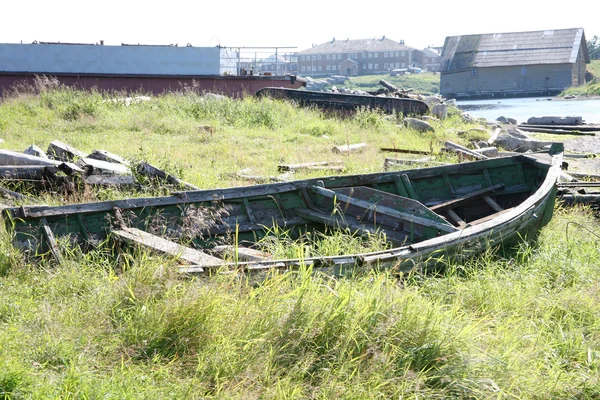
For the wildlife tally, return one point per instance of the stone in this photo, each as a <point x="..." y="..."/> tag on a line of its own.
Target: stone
<point x="440" y="111"/>
<point x="512" y="121"/>
<point x="502" y="120"/>
<point x="418" y="125"/>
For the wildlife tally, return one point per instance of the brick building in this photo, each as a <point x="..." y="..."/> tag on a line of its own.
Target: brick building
<point x="358" y="57"/>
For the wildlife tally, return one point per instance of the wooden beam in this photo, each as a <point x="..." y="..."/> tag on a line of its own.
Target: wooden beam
<point x="149" y="170"/>
<point x="104" y="155"/>
<point x="465" y="199"/>
<point x="349" y="148"/>
<point x="492" y="203"/>
<point x="63" y="152"/>
<point x="464" y="151"/>
<point x="164" y="246"/>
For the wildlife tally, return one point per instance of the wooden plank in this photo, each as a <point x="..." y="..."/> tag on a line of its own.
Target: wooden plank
<point x="111" y="180"/>
<point x="409" y="188"/>
<point x="8" y="157"/>
<point x="349" y="148"/>
<point x="104" y="155"/>
<point x="319" y="165"/>
<point x="582" y="128"/>
<point x="98" y="167"/>
<point x="63" y="152"/>
<point x="400" y="161"/>
<point x="164" y="246"/>
<point x="248" y="209"/>
<point x="16" y="195"/>
<point x="27" y="172"/>
<point x="400" y="186"/>
<point x="494" y="136"/>
<point x="465" y="199"/>
<point x="464" y="151"/>
<point x="416" y="216"/>
<point x="492" y="203"/>
<point x="146" y="169"/>
<point x="50" y="240"/>
<point x="573" y="131"/>
<point x="455" y="217"/>
<point x="241" y="253"/>
<point x="406" y="151"/>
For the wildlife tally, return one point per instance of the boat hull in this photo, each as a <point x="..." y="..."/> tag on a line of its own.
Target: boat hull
<point x="347" y="102"/>
<point x="413" y="204"/>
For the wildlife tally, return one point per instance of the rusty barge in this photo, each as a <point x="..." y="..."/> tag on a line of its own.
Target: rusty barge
<point x="131" y="68"/>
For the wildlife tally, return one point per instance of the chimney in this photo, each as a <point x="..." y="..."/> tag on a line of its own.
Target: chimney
<point x="333" y="40"/>
<point x="402" y="41"/>
<point x="383" y="37"/>
<point x="102" y="43"/>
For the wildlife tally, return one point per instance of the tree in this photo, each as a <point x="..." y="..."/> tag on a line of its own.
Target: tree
<point x="593" y="46"/>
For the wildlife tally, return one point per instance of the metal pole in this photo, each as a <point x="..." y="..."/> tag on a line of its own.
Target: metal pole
<point x="276" y="63"/>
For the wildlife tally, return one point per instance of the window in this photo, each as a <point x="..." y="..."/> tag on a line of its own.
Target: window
<point x="314" y="68"/>
<point x="397" y="54"/>
<point x="376" y="55"/>
<point x="376" y="66"/>
<point x="397" y="65"/>
<point x="301" y="58"/>
<point x="474" y="73"/>
<point x="385" y="54"/>
<point x="328" y="67"/>
<point x="319" y="68"/>
<point x="370" y="55"/>
<point x="523" y="71"/>
<point x="403" y="54"/>
<point x="386" y="65"/>
<point x="319" y="57"/>
<point x="339" y="56"/>
<point x="364" y="55"/>
<point x="302" y="68"/>
<point x="370" y="66"/>
<point x="314" y="57"/>
<point x="403" y="65"/>
<point x="328" y="57"/>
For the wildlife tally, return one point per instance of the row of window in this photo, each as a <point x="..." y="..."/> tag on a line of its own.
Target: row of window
<point x="386" y="66"/>
<point x="386" y="54"/>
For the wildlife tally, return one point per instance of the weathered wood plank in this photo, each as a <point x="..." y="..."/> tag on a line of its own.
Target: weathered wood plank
<point x="164" y="246"/>
<point x="456" y="218"/>
<point x="465" y="199"/>
<point x="492" y="203"/>
<point x="50" y="240"/>
<point x="242" y="253"/>
<point x="111" y="180"/>
<point x="144" y="168"/>
<point x="573" y="131"/>
<point x="63" y="152"/>
<point x="406" y="151"/>
<point x="401" y="215"/>
<point x="494" y="136"/>
<point x="104" y="155"/>
<point x="464" y="151"/>
<point x="93" y="166"/>
<point x="316" y="166"/>
<point x="349" y="148"/>
<point x="27" y="172"/>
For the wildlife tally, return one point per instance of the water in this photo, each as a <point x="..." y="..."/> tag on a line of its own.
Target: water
<point x="523" y="108"/>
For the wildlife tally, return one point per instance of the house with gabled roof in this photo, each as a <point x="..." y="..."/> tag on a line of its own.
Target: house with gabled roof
<point x="367" y="56"/>
<point x="513" y="64"/>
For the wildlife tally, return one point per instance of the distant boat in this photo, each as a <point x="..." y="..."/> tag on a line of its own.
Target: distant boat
<point x="347" y="102"/>
<point x="426" y="215"/>
<point x="130" y="68"/>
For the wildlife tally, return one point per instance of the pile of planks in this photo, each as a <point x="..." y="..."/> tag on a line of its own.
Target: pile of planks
<point x="63" y="167"/>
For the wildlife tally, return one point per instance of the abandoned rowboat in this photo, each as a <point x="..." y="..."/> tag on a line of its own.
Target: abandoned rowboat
<point x="347" y="102"/>
<point x="426" y="214"/>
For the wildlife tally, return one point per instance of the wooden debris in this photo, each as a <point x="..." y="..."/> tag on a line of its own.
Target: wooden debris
<point x="99" y="167"/>
<point x="10" y="158"/>
<point x="27" y="172"/>
<point x="164" y="246"/>
<point x="582" y="128"/>
<point x="584" y="175"/>
<point x="16" y="195"/>
<point x="33" y="150"/>
<point x="143" y="168"/>
<point x="63" y="152"/>
<point x="407" y="151"/>
<point x="494" y="136"/>
<point x="349" y="148"/>
<point x="574" y="131"/>
<point x="388" y="86"/>
<point x="488" y="151"/>
<point x="464" y="151"/>
<point x="321" y="165"/>
<point x="111" y="180"/>
<point x="104" y="155"/>
<point x="388" y="162"/>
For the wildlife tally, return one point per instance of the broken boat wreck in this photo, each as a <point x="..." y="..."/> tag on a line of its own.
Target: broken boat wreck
<point x="446" y="211"/>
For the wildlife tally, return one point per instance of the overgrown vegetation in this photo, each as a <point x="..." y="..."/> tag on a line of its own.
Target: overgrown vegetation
<point x="519" y="323"/>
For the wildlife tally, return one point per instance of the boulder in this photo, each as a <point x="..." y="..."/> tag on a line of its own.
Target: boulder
<point x="418" y="125"/>
<point x="502" y="120"/>
<point x="440" y="111"/>
<point x="512" y="121"/>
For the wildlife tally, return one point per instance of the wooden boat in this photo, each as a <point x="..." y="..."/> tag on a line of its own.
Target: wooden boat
<point x="426" y="214"/>
<point x="347" y="102"/>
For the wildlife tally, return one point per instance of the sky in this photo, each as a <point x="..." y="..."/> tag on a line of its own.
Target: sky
<point x="296" y="24"/>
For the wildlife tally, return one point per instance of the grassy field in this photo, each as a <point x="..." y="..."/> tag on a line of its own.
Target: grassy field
<point x="512" y="323"/>
<point x="426" y="83"/>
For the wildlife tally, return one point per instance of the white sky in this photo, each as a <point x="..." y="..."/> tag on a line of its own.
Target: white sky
<point x="297" y="24"/>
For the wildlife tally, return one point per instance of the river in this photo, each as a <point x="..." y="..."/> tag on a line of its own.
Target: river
<point x="523" y="108"/>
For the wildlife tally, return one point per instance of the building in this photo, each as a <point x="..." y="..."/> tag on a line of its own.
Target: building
<point x="278" y="64"/>
<point x="431" y="59"/>
<point x="513" y="64"/>
<point x="358" y="57"/>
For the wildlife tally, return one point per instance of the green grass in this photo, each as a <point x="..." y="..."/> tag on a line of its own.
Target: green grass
<point x="426" y="83"/>
<point x="515" y="323"/>
<point x="591" y="88"/>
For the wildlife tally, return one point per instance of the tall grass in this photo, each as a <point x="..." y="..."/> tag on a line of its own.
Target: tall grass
<point x="511" y="323"/>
